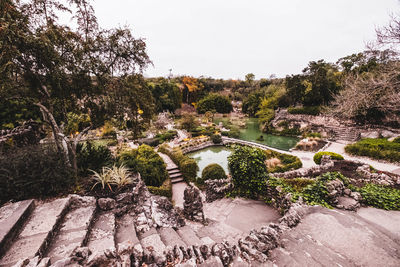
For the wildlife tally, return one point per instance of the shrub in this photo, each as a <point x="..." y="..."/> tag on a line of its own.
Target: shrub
<point x="90" y="156"/>
<point x="397" y="140"/>
<point x="108" y="130"/>
<point x="117" y="175"/>
<point x="379" y="148"/>
<point x="169" y="135"/>
<point x="216" y="138"/>
<point x="310" y="110"/>
<point x="287" y="162"/>
<point x="380" y="196"/>
<point x="212" y="172"/>
<point x="318" y="156"/>
<point x="147" y="162"/>
<point x="312" y="134"/>
<point x="33" y="172"/>
<point x="187" y="165"/>
<point x="249" y="173"/>
<point x="164" y="190"/>
<point x="214" y="102"/>
<point x="149" y="141"/>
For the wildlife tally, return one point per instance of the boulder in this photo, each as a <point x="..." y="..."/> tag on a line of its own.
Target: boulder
<point x="106" y="203"/>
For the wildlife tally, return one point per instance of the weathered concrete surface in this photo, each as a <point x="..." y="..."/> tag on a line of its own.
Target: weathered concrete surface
<point x="387" y="219"/>
<point x="74" y="230"/>
<point x="189" y="236"/>
<point x="101" y="238"/>
<point x="41" y="224"/>
<point x="170" y="237"/>
<point x="338" y="238"/>
<point x="126" y="237"/>
<point x="151" y="242"/>
<point x="177" y="193"/>
<point x="12" y="217"/>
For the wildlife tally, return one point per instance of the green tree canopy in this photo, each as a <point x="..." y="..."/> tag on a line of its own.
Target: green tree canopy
<point x="214" y="102"/>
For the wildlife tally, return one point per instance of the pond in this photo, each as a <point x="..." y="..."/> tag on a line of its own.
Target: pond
<point x="214" y="154"/>
<point x="252" y="132"/>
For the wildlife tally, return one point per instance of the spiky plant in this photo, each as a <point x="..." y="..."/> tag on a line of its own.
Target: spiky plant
<point x="105" y="178"/>
<point x="121" y="175"/>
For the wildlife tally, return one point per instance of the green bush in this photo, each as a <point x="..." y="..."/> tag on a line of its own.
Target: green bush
<point x="310" y="110"/>
<point x="147" y="162"/>
<point x="379" y="148"/>
<point x="233" y="133"/>
<point x="289" y="162"/>
<point x="216" y="138"/>
<point x="92" y="157"/>
<point x="397" y="140"/>
<point x="203" y="131"/>
<point x="212" y="172"/>
<point x="312" y="134"/>
<point x="248" y="170"/>
<point x="167" y="136"/>
<point x="214" y="102"/>
<point x="33" y="172"/>
<point x="149" y="141"/>
<point x="380" y="196"/>
<point x="164" y="190"/>
<point x="318" y="156"/>
<point x="187" y="165"/>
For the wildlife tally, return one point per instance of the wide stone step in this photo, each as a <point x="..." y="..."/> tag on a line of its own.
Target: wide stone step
<point x="126" y="237"/>
<point x="151" y="242"/>
<point x="177" y="180"/>
<point x="189" y="236"/>
<point x="175" y="175"/>
<point x="38" y="231"/>
<point x="12" y="218"/>
<point x="101" y="239"/>
<point x="173" y="171"/>
<point x="172" y="168"/>
<point x="170" y="237"/>
<point x="75" y="229"/>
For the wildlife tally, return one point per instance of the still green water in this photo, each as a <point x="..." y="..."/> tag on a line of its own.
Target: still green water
<point x="252" y="132"/>
<point x="214" y="154"/>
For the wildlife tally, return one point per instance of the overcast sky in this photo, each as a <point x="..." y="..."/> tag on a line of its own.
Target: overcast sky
<point x="230" y="38"/>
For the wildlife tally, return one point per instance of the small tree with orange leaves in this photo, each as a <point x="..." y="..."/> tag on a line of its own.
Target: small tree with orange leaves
<point x="191" y="85"/>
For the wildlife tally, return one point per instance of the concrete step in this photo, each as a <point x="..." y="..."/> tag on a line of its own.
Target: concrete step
<point x="177" y="180"/>
<point x="170" y="237"/>
<point x="151" y="242"/>
<point x="126" y="237"/>
<point x="75" y="229"/>
<point x="37" y="232"/>
<point x="189" y="236"/>
<point x="173" y="171"/>
<point x="101" y="238"/>
<point x="173" y="168"/>
<point x="175" y="175"/>
<point x="12" y="218"/>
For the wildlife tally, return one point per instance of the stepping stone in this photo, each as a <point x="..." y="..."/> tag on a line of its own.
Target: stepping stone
<point x="175" y="175"/>
<point x="101" y="238"/>
<point x="173" y="171"/>
<point x="189" y="236"/>
<point x="74" y="230"/>
<point x="170" y="237"/>
<point x="12" y="217"/>
<point x="177" y="180"/>
<point x="36" y="234"/>
<point x="152" y="242"/>
<point x="126" y="237"/>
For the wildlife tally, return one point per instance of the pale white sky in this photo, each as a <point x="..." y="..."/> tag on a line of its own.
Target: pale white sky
<point x="230" y="38"/>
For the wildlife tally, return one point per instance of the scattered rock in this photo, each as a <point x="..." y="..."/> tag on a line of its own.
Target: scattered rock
<point x="106" y="203"/>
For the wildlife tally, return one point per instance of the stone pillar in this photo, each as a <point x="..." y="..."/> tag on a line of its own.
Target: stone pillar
<point x="193" y="205"/>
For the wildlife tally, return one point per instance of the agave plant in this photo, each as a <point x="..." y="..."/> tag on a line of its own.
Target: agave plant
<point x="105" y="178"/>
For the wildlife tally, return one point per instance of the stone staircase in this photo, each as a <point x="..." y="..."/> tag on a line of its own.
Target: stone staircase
<point x="175" y="175"/>
<point x="343" y="133"/>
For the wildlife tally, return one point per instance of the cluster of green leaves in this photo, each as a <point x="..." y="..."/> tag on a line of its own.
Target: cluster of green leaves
<point x="33" y="172"/>
<point x="214" y="103"/>
<point x="92" y="157"/>
<point x="248" y="170"/>
<point x="14" y="112"/>
<point x="166" y="94"/>
<point x="187" y="165"/>
<point x="147" y="162"/>
<point x="317" y="156"/>
<point x="212" y="172"/>
<point x="119" y="176"/>
<point x="216" y="138"/>
<point x="379" y="148"/>
<point x="166" y="136"/>
<point x="310" y="110"/>
<point x="210" y="130"/>
<point x="288" y="162"/>
<point x="164" y="190"/>
<point x="380" y="196"/>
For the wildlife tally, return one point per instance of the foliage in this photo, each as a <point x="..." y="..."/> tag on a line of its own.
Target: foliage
<point x="149" y="141"/>
<point x="396" y="140"/>
<point x="116" y="175"/>
<point x="310" y="110"/>
<point x="317" y="156"/>
<point x="288" y="162"/>
<point x="76" y="123"/>
<point x="312" y="134"/>
<point x="249" y="173"/>
<point x="380" y="196"/>
<point x="198" y="131"/>
<point x="187" y="165"/>
<point x="93" y="157"/>
<point x="191" y="86"/>
<point x="216" y="138"/>
<point x="108" y="129"/>
<point x="167" y="136"/>
<point x="188" y="122"/>
<point x="14" y="112"/>
<point x="212" y="172"/>
<point x="379" y="148"/>
<point x="214" y="103"/>
<point x="33" y="172"/>
<point x="147" y="162"/>
<point x="164" y="190"/>
<point x="166" y="94"/>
